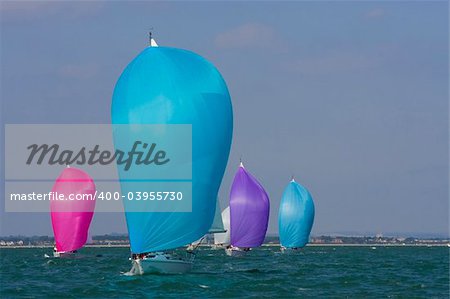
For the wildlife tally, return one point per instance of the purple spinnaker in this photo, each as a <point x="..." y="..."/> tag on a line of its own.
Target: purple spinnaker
<point x="249" y="210"/>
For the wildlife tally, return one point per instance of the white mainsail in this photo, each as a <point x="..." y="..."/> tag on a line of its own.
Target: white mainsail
<point x="217" y="225"/>
<point x="224" y="238"/>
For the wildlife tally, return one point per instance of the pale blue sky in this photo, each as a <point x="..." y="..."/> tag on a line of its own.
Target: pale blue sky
<point x="351" y="97"/>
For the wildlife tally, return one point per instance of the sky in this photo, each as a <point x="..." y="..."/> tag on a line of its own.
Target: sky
<point x="350" y="97"/>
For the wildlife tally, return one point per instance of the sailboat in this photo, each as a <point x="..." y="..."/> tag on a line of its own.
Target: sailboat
<point x="249" y="213"/>
<point x="222" y="239"/>
<point x="171" y="86"/>
<point x="71" y="218"/>
<point x="216" y="227"/>
<point x="296" y="217"/>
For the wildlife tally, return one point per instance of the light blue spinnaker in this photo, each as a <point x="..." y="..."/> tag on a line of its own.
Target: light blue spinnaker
<point x="296" y="216"/>
<point x="173" y="86"/>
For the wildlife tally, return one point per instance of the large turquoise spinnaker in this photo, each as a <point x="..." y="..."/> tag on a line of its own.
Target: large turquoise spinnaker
<point x="296" y="216"/>
<point x="170" y="86"/>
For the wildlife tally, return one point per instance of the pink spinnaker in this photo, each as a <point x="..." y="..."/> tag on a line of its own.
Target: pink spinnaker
<point x="71" y="218"/>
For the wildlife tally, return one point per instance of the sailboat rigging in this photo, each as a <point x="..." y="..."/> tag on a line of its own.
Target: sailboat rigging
<point x="171" y="86"/>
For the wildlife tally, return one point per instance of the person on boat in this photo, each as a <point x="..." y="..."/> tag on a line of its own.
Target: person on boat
<point x="191" y="252"/>
<point x="140" y="256"/>
<point x="136" y="262"/>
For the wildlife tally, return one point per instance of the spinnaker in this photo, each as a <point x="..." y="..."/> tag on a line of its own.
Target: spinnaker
<point x="296" y="216"/>
<point x="72" y="217"/>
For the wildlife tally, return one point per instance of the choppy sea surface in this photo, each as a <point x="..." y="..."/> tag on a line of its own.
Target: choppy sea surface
<point x="355" y="272"/>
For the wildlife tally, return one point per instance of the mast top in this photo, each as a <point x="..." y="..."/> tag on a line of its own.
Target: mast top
<point x="151" y="41"/>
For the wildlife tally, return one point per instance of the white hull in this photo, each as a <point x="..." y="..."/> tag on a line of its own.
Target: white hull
<point x="64" y="254"/>
<point x="160" y="263"/>
<point x="235" y="251"/>
<point x="285" y="250"/>
<point x="218" y="246"/>
<point x="166" y="267"/>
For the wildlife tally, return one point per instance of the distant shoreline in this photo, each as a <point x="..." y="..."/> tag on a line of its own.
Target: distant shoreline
<point x="264" y="245"/>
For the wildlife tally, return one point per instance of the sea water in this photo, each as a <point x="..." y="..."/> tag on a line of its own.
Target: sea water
<point x="315" y="271"/>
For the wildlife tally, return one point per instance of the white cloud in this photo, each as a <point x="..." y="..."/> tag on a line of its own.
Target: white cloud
<point x="338" y="61"/>
<point x="30" y="10"/>
<point x="375" y="13"/>
<point x="247" y="35"/>
<point x="330" y="64"/>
